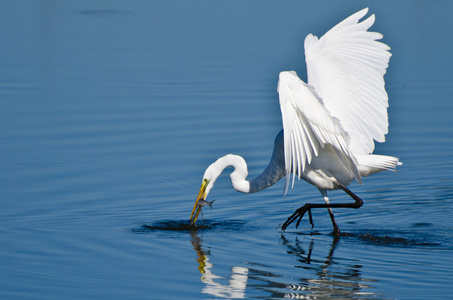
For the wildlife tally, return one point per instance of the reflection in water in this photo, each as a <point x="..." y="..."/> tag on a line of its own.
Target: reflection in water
<point x="238" y="280"/>
<point x="320" y="278"/>
<point x="333" y="278"/>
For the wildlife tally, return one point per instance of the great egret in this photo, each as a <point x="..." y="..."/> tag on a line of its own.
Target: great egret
<point x="329" y="124"/>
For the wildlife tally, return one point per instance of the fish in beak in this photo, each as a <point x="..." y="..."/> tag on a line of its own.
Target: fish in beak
<point x="197" y="208"/>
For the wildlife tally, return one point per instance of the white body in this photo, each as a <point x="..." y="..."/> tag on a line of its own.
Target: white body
<point x="330" y="123"/>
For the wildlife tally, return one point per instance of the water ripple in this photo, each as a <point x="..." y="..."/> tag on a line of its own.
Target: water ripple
<point x="185" y="226"/>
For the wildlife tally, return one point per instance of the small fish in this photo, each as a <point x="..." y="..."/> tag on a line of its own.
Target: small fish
<point x="202" y="203"/>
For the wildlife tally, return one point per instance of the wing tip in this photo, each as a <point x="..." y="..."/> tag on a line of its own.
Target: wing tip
<point x="355" y="17"/>
<point x="363" y="11"/>
<point x="287" y="179"/>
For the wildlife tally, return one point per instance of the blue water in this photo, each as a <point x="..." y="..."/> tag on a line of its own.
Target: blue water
<point x="112" y="110"/>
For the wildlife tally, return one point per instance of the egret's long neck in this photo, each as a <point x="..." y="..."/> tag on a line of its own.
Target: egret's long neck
<point x="273" y="173"/>
<point x="275" y="169"/>
<point x="239" y="175"/>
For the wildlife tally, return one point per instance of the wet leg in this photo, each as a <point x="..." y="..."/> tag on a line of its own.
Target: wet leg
<point x="336" y="229"/>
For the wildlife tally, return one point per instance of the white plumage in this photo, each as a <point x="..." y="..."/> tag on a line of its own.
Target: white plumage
<point x="330" y="123"/>
<point x="344" y="103"/>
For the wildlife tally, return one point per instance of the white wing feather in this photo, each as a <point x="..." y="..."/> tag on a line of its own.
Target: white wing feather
<point x="308" y="126"/>
<point x="346" y="68"/>
<point x="344" y="104"/>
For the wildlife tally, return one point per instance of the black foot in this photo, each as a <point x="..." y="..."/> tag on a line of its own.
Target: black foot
<point x="298" y="214"/>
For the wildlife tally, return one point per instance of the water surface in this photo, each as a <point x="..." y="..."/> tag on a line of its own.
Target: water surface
<point x="111" y="111"/>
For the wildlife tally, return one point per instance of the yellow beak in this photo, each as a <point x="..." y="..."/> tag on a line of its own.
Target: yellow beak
<point x="197" y="208"/>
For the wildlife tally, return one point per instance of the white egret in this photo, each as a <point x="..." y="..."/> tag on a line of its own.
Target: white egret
<point x="329" y="124"/>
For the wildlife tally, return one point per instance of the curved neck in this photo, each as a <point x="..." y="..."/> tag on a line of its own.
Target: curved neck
<point x="275" y="169"/>
<point x="238" y="176"/>
<point x="273" y="173"/>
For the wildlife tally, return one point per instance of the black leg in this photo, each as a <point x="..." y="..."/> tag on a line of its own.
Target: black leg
<point x="336" y="229"/>
<point x="300" y="212"/>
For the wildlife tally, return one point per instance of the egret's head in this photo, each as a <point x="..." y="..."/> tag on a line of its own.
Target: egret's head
<point x="213" y="172"/>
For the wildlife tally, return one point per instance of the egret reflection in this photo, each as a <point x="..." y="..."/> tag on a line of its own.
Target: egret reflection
<point x="335" y="277"/>
<point x="235" y="289"/>
<point x="322" y="276"/>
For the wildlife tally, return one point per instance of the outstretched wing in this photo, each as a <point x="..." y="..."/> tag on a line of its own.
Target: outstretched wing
<point x="308" y="126"/>
<point x="346" y="68"/>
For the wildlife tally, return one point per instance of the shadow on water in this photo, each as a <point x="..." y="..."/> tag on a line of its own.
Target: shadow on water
<point x="390" y="238"/>
<point x="387" y="238"/>
<point x="418" y="235"/>
<point x="184" y="226"/>
<point x="421" y="235"/>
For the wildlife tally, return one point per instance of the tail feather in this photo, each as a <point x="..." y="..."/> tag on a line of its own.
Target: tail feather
<point x="370" y="164"/>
